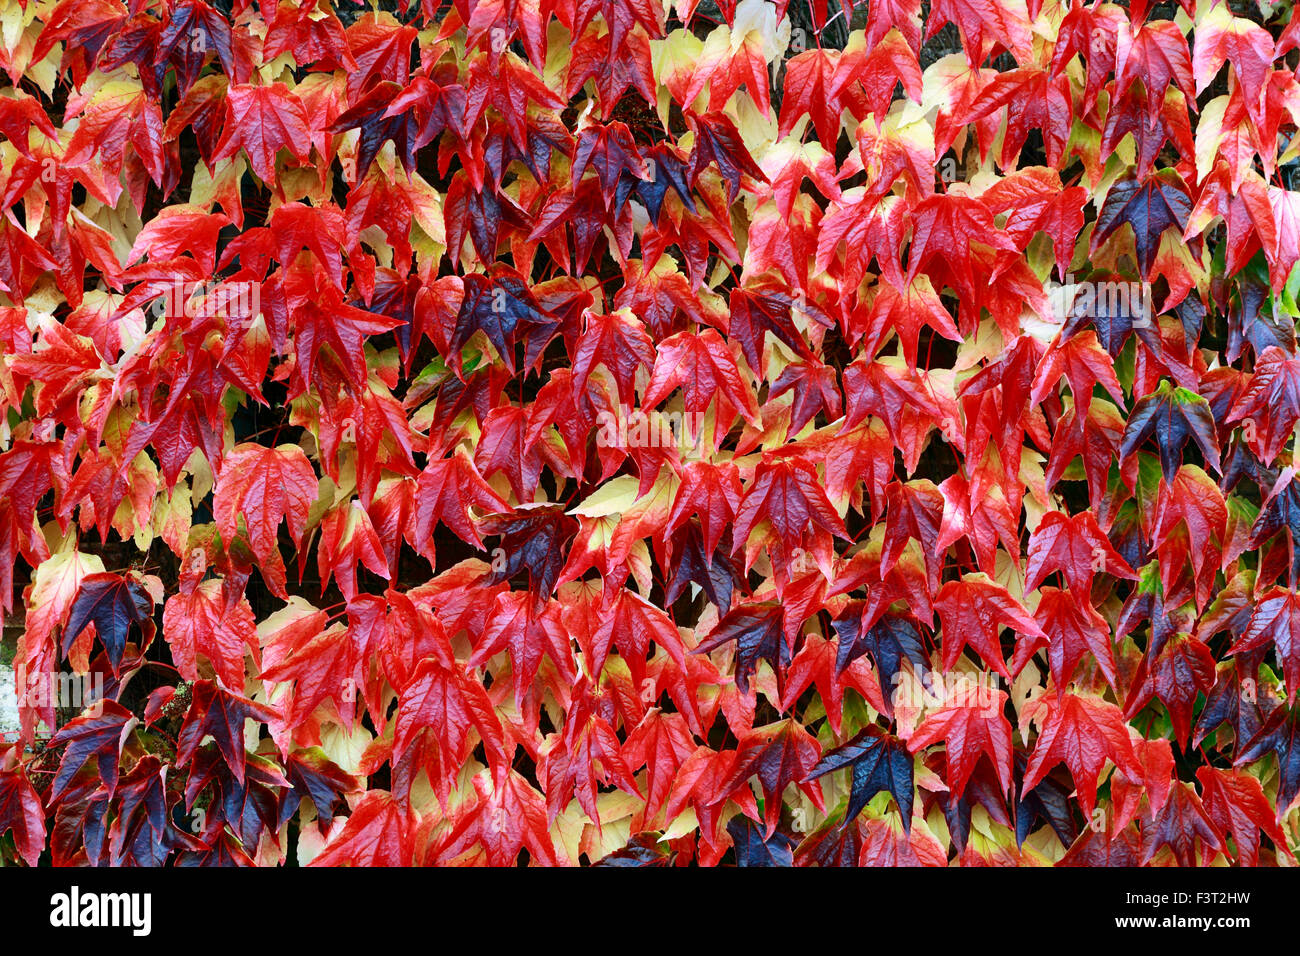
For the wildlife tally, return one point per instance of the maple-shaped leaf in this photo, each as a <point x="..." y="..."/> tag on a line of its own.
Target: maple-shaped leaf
<point x="755" y="847"/>
<point x="180" y="229"/>
<point x="21" y="812"/>
<point x="1270" y="406"/>
<point x="1280" y="736"/>
<point x="142" y="833"/>
<point x="608" y="150"/>
<point x="379" y="832"/>
<point x="973" y="612"/>
<point x="349" y="538"/>
<point x="517" y="626"/>
<point x="1084" y="364"/>
<point x="387" y="112"/>
<point x="865" y="78"/>
<point x="1048" y="802"/>
<point x="713" y="492"/>
<point x="192" y="30"/>
<point x="886" y="843"/>
<point x="1235" y="701"/>
<point x="699" y="786"/>
<point x="756" y="313"/>
<point x="830" y="845"/>
<point x="1175" y="673"/>
<point x="984" y="26"/>
<point x="1237" y="807"/>
<point x="881" y="764"/>
<point x="1157" y="55"/>
<point x="979" y="512"/>
<point x="502" y="820"/>
<point x="661" y="742"/>
<point x="1275" y="621"/>
<point x="808" y="79"/>
<point x="533" y="539"/>
<point x="216" y="712"/>
<point x="758" y="630"/>
<point x="249" y="807"/>
<point x="1150" y="129"/>
<point x="705" y="369"/>
<point x="1150" y="207"/>
<point x="778" y="755"/>
<point x="112" y="603"/>
<point x="714" y="573"/>
<point x="897" y="398"/>
<point x="1281" y="509"/>
<point x="1074" y="630"/>
<point x="1183" y="826"/>
<point x="321" y="663"/>
<point x="943" y="228"/>
<point x="718" y="142"/>
<point x="97" y="736"/>
<point x="501" y="306"/>
<point x="632" y="624"/>
<point x="914" y="510"/>
<point x="1101" y="847"/>
<point x="504" y="449"/>
<point x="1221" y="37"/>
<point x="890" y="640"/>
<point x="1035" y="202"/>
<point x="620" y="343"/>
<point x="1191" y="521"/>
<point x="310" y="33"/>
<point x="643" y="850"/>
<point x="1034" y="99"/>
<point x="1075" y="546"/>
<point x="1115" y="308"/>
<point x="442" y="697"/>
<point x="970" y="727"/>
<point x="313" y="775"/>
<point x="789" y="496"/>
<point x="1172" y="415"/>
<point x="330" y="322"/>
<point x="1094" y="438"/>
<point x="906" y="311"/>
<point x="264" y="486"/>
<point x="446" y="491"/>
<point x="587" y="755"/>
<point x="203" y="618"/>
<point x="263" y="120"/>
<point x="593" y="58"/>
<point x="1084" y="733"/>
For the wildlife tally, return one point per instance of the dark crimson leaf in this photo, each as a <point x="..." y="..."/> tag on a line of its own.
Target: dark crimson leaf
<point x="97" y="737"/>
<point x="216" y="712"/>
<point x="889" y="641"/>
<point x="1172" y="415"/>
<point x="881" y="763"/>
<point x="1149" y="207"/>
<point x="758" y="630"/>
<point x="112" y="603"/>
<point x="754" y="848"/>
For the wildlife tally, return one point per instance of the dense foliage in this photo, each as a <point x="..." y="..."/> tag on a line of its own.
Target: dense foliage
<point x="562" y="431"/>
